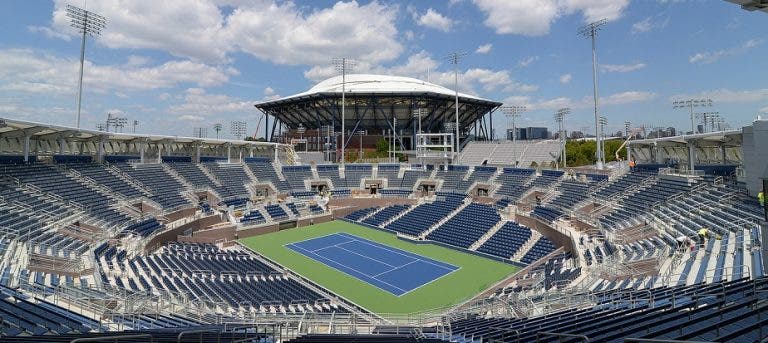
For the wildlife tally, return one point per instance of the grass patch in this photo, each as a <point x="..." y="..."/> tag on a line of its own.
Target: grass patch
<point x="475" y="274"/>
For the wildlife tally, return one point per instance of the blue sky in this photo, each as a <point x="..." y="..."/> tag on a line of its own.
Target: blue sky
<point x="179" y="64"/>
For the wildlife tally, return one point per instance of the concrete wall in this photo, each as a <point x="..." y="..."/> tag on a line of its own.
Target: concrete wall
<point x="755" y="150"/>
<point x="558" y="238"/>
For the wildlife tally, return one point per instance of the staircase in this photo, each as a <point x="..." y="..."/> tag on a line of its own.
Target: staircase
<point x="535" y="235"/>
<point x="250" y="174"/>
<point x="464" y="204"/>
<point x="209" y="173"/>
<point x="487" y="235"/>
<point x="373" y="213"/>
<point x="398" y="216"/>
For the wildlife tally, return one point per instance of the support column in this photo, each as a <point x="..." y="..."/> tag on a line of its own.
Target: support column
<point x="229" y="153"/>
<point x="142" y="148"/>
<point x="159" y="152"/>
<point x="100" y="154"/>
<point x="27" y="138"/>
<point x="629" y="154"/>
<point x="723" y="154"/>
<point x="62" y="142"/>
<point x="197" y="153"/>
<point x="657" y="154"/>
<point x="691" y="156"/>
<point x="490" y="124"/>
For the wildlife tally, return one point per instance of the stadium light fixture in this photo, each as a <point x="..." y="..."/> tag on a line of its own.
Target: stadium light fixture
<point x="590" y="31"/>
<point x="690" y="104"/>
<point x="343" y="65"/>
<point x="200" y="132"/>
<point x="455" y="58"/>
<point x="559" y="117"/>
<point x="101" y="127"/>
<point x="237" y="128"/>
<point x="87" y="23"/>
<point x="116" y="121"/>
<point x="627" y="125"/>
<point x="135" y="124"/>
<point x="513" y="112"/>
<point x="708" y="118"/>
<point x="217" y="127"/>
<point x="603" y="123"/>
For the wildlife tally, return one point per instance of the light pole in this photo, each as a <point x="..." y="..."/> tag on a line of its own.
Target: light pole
<point x="559" y="117"/>
<point x="419" y="112"/>
<point x="690" y="104"/>
<point x="90" y="23"/>
<point x="237" y="128"/>
<point x="590" y="31"/>
<point x="135" y="124"/>
<point x="513" y="112"/>
<point x="301" y="130"/>
<point x="627" y="124"/>
<point x="217" y="127"/>
<point x="708" y="118"/>
<point x="343" y="65"/>
<point x="200" y="132"/>
<point x="454" y="58"/>
<point x="603" y="123"/>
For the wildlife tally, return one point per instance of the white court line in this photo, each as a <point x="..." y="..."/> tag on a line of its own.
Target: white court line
<point x="348" y="267"/>
<point x="366" y="256"/>
<point x="392" y="270"/>
<point x="420" y="258"/>
<point x="354" y="238"/>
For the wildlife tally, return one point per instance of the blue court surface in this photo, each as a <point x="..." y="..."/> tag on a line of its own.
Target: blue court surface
<point x="391" y="269"/>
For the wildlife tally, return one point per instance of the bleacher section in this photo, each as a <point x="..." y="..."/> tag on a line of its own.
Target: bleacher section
<point x="236" y="178"/>
<point x="385" y="214"/>
<point x="467" y="226"/>
<point x="514" y="182"/>
<point x="166" y="190"/>
<point x="331" y="172"/>
<point x="424" y="216"/>
<point x="353" y="173"/>
<point x="295" y="176"/>
<point x="507" y="240"/>
<point x="265" y="172"/>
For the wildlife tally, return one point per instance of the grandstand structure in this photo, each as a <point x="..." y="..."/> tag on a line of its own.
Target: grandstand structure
<point x="106" y="234"/>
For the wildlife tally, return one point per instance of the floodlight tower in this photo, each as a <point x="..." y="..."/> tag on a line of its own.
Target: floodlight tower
<point x="590" y="31"/>
<point x="200" y="132"/>
<point x="709" y="118"/>
<point x="343" y="65"/>
<point x="114" y="120"/>
<point x="513" y="112"/>
<point x="454" y="58"/>
<point x="217" y="127"/>
<point x="690" y="104"/>
<point x="603" y="124"/>
<point x="237" y="128"/>
<point x="420" y="112"/>
<point x="559" y="117"/>
<point x="627" y="124"/>
<point x="87" y="23"/>
<point x="135" y="124"/>
<point x="101" y="127"/>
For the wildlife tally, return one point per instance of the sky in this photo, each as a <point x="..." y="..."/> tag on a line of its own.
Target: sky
<point x="175" y="65"/>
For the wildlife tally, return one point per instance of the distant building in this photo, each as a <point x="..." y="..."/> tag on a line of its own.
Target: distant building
<point x="530" y="133"/>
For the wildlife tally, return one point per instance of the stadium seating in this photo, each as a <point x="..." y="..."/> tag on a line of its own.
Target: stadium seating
<point x="467" y="226"/>
<point x="265" y="172"/>
<point x="424" y="216"/>
<point x="235" y="176"/>
<point x="507" y="240"/>
<point x="514" y="182"/>
<point x="295" y="176"/>
<point x="541" y="248"/>
<point x="167" y="191"/>
<point x="331" y="172"/>
<point x="353" y="173"/>
<point x="385" y="214"/>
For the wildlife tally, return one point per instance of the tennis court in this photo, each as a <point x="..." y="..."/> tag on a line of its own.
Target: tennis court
<point x="390" y="269"/>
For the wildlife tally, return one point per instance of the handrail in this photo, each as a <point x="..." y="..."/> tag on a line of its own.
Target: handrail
<point x="561" y="335"/>
<point x="201" y="332"/>
<point x="112" y="338"/>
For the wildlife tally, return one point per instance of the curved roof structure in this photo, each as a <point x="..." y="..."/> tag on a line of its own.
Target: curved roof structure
<point x="372" y="101"/>
<point x="379" y="84"/>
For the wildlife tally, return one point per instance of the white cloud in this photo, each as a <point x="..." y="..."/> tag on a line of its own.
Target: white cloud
<point x="565" y="78"/>
<point x="649" y="24"/>
<point x="525" y="62"/>
<point x="728" y="95"/>
<point x="484" y="49"/>
<point x="713" y="56"/>
<point x="200" y="29"/>
<point x="199" y="105"/>
<point x="26" y="71"/>
<point x="190" y="117"/>
<point x="585" y="102"/>
<point x="283" y="34"/>
<point x="534" y="17"/>
<point x="433" y="19"/>
<point x="621" y="68"/>
<point x="48" y="32"/>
